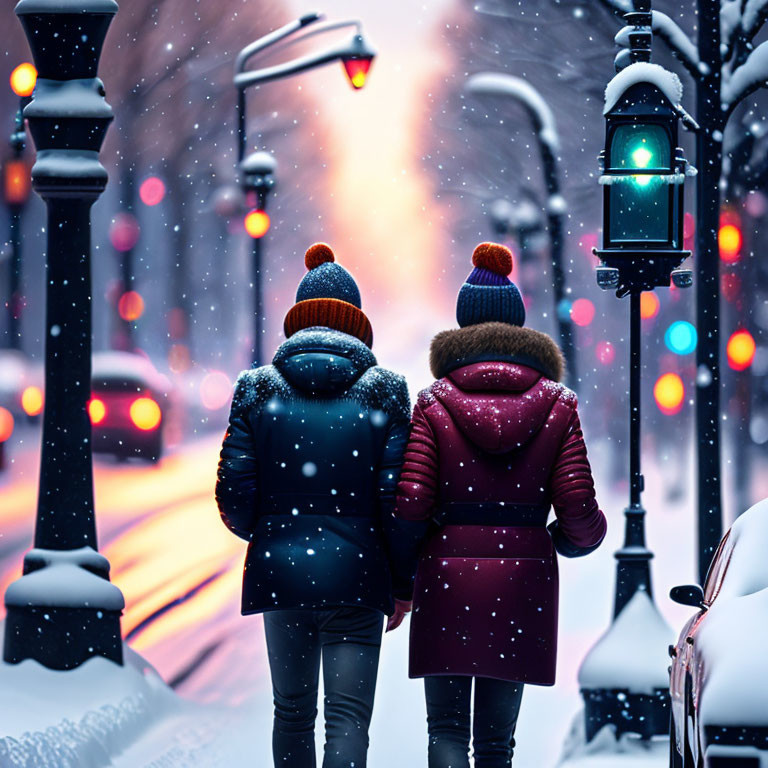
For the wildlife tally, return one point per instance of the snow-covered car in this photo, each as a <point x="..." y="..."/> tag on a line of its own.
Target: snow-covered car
<point x="719" y="672"/>
<point x="130" y="401"/>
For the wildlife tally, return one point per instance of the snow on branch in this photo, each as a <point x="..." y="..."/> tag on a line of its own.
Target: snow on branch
<point x="677" y="41"/>
<point x="753" y="17"/>
<point x="746" y="79"/>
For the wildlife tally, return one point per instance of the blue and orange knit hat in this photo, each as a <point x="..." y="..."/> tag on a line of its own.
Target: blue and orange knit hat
<point x="489" y="295"/>
<point x="328" y="297"/>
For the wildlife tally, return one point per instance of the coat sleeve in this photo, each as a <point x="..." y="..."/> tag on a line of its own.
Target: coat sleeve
<point x="237" y="478"/>
<point x="417" y="489"/>
<point x="580" y="526"/>
<point x="403" y="538"/>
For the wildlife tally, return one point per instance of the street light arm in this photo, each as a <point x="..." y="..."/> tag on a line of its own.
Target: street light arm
<point x="273" y="37"/>
<point x="498" y="84"/>
<point x="319" y="30"/>
<point x="244" y="80"/>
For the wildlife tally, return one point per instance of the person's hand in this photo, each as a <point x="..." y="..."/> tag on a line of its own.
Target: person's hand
<point x="401" y="608"/>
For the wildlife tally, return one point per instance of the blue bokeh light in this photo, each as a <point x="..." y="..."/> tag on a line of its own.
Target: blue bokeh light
<point x="681" y="337"/>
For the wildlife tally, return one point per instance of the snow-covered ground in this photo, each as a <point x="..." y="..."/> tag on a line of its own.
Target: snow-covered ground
<point x="223" y="713"/>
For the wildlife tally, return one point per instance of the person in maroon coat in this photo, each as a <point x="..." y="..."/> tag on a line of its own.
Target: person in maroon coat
<point x="495" y="443"/>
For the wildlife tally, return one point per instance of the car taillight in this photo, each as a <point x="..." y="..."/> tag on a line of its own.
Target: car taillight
<point x="97" y="410"/>
<point x="145" y="413"/>
<point x="6" y="424"/>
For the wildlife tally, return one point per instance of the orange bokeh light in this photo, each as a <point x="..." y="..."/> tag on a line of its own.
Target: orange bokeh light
<point x="669" y="393"/>
<point x="97" y="410"/>
<point x="729" y="239"/>
<point x="17" y="182"/>
<point x="23" y="79"/>
<point x="740" y="350"/>
<point x="32" y="401"/>
<point x="130" y="306"/>
<point x="6" y="424"/>
<point x="145" y="413"/>
<point x="649" y="305"/>
<point x="257" y="224"/>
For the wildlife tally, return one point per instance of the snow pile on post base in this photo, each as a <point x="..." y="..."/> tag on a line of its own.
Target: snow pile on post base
<point x="606" y="751"/>
<point x="82" y="717"/>
<point x="632" y="654"/>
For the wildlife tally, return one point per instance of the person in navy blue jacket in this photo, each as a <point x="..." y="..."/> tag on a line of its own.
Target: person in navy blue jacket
<point x="308" y="474"/>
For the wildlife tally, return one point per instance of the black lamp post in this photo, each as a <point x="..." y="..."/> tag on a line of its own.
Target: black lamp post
<point x="63" y="610"/>
<point x="257" y="178"/>
<point x="643" y="178"/>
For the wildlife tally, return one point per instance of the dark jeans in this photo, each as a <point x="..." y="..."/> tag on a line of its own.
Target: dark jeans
<point x="348" y="641"/>
<point x="449" y="703"/>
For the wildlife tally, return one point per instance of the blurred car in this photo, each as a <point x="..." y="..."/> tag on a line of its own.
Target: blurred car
<point x="129" y="406"/>
<point x="719" y="672"/>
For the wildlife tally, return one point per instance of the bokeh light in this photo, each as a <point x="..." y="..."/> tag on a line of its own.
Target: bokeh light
<point x="215" y="390"/>
<point x="257" y="224"/>
<point x="740" y="350"/>
<point x="582" y="312"/>
<point x="145" y="413"/>
<point x="124" y="232"/>
<point x="6" y="424"/>
<point x="669" y="393"/>
<point x="97" y="410"/>
<point x="152" y="190"/>
<point x="130" y="306"/>
<point x="730" y="241"/>
<point x="605" y="352"/>
<point x="32" y="401"/>
<point x="649" y="305"/>
<point x="681" y="337"/>
<point x="23" y="79"/>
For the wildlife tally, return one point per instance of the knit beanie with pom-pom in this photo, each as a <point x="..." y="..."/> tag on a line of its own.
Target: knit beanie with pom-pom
<point x="489" y="295"/>
<point x="328" y="297"/>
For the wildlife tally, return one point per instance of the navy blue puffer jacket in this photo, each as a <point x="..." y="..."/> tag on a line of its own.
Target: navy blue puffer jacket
<point x="308" y="472"/>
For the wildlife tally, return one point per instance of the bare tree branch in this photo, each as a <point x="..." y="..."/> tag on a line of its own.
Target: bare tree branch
<point x="677" y="41"/>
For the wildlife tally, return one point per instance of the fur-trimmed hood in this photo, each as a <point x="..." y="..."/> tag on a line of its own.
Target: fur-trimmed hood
<point x="495" y="342"/>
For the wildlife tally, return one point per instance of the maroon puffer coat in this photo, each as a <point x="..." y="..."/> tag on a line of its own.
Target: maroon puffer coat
<point x="495" y="443"/>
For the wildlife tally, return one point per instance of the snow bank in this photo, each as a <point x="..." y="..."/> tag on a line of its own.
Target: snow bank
<point x="643" y="72"/>
<point x="83" y="717"/>
<point x="632" y="654"/>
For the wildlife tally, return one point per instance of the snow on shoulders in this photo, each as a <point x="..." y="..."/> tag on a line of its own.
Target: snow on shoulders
<point x="643" y="72"/>
<point x="632" y="654"/>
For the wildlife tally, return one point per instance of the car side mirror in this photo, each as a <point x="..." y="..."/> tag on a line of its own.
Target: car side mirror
<point x="688" y="594"/>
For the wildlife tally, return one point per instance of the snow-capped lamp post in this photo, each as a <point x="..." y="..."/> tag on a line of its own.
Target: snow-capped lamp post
<point x="543" y="120"/>
<point x="257" y="170"/>
<point x="64" y="610"/>
<point x="257" y="178"/>
<point x="623" y="679"/>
